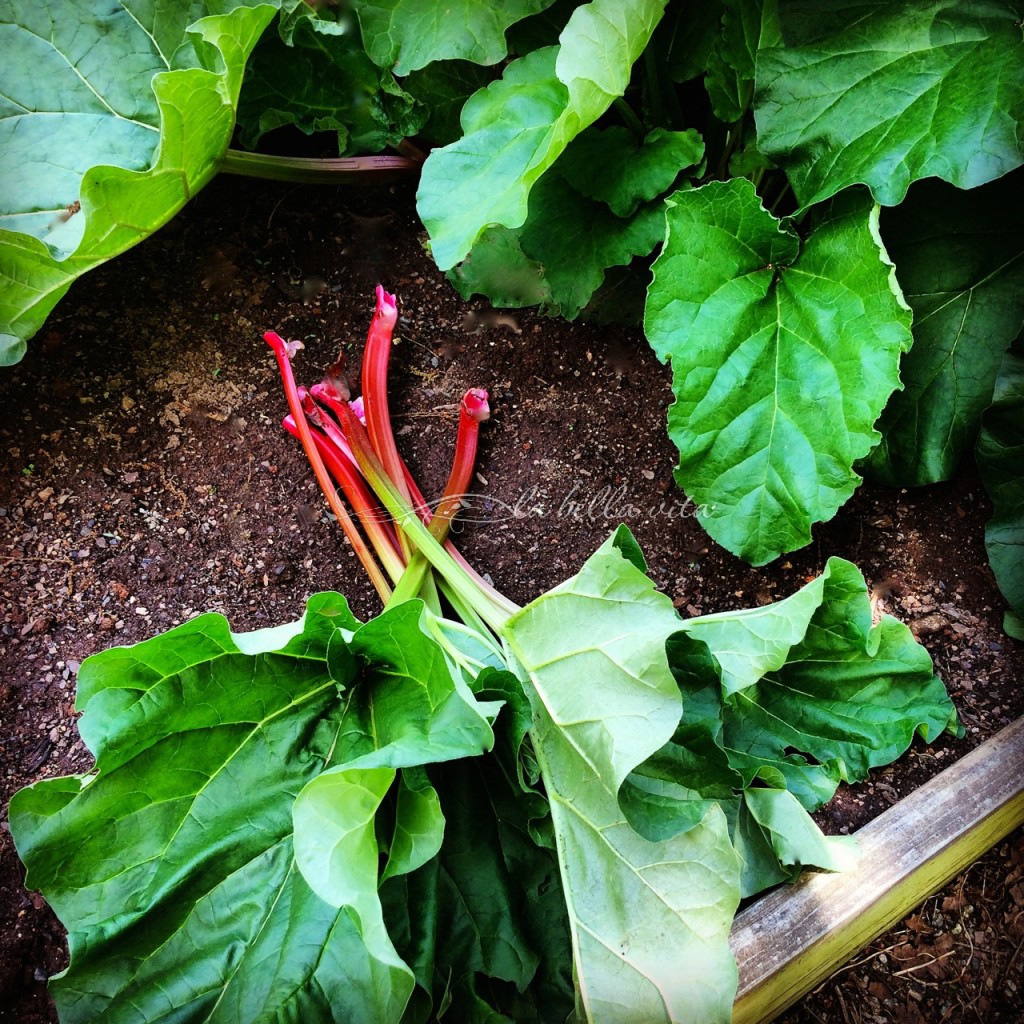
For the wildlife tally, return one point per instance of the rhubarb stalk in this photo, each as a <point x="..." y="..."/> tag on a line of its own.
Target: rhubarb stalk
<point x="283" y="352"/>
<point x="473" y="410"/>
<point x="372" y="519"/>
<point x="404" y="516"/>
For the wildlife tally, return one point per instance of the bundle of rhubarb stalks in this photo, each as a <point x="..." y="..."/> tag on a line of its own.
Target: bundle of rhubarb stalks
<point x="460" y="809"/>
<point x="351" y="448"/>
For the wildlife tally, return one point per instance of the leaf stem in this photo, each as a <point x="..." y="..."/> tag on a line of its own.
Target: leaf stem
<point x="625" y="111"/>
<point x="348" y="170"/>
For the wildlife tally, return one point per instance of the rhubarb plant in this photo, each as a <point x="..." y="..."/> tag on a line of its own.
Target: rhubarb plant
<point x="459" y="807"/>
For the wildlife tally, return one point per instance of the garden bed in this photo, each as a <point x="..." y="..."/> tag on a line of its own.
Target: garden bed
<point x="147" y="479"/>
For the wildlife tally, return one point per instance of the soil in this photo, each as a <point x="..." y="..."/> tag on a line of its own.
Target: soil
<point x="146" y="479"/>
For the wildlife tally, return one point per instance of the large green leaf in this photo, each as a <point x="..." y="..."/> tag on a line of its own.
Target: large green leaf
<point x="814" y="692"/>
<point x="603" y="701"/>
<point x="779" y="704"/>
<point x="405" y="35"/>
<point x="516" y="128"/>
<point x="411" y="710"/>
<point x="1000" y="456"/>
<point x="887" y="93"/>
<point x="783" y="355"/>
<point x="171" y="863"/>
<point x="313" y="73"/>
<point x="124" y="108"/>
<point x="960" y="260"/>
<point x="417" y="712"/>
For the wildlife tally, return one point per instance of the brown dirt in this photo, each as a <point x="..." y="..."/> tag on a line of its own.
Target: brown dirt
<point x="145" y="479"/>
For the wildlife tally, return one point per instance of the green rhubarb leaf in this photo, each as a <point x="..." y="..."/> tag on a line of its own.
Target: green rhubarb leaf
<point x="419" y="824"/>
<point x="314" y="74"/>
<point x="730" y="77"/>
<point x="960" y="261"/>
<point x="689" y="33"/>
<point x="515" y="129"/>
<point x="814" y="692"/>
<point x="418" y="711"/>
<point x="889" y="93"/>
<point x="794" y="838"/>
<point x="542" y="29"/>
<point x="783" y="355"/>
<point x="112" y="117"/>
<point x="559" y="257"/>
<point x="671" y="791"/>
<point x="576" y="240"/>
<point x="405" y="35"/>
<point x="171" y="863"/>
<point x="443" y="89"/>
<point x="487" y="905"/>
<point x="498" y="268"/>
<point x="1000" y="455"/>
<point x="673" y="788"/>
<point x="604" y="700"/>
<point x="610" y="165"/>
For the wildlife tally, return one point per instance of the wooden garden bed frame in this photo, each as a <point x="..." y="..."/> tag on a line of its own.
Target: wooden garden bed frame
<point x="795" y="937"/>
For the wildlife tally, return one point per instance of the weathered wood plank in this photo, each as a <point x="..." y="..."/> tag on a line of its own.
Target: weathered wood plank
<point x="796" y="936"/>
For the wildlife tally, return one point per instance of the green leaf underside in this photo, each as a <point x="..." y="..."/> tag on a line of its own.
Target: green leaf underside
<point x="319" y="78"/>
<point x="405" y="35"/>
<point x="172" y="863"/>
<point x="783" y="356"/>
<point x="515" y="129"/>
<point x="1000" y="455"/>
<point x="959" y="258"/>
<point x="76" y="127"/>
<point x="419" y="824"/>
<point x="487" y="905"/>
<point x="603" y="700"/>
<point x="890" y="93"/>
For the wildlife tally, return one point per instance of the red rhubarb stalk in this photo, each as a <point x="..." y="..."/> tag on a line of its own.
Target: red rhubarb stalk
<point x="419" y="537"/>
<point x="283" y="355"/>
<point x="371" y="517"/>
<point x="473" y="411"/>
<point x="375" y="389"/>
<point x="498" y="599"/>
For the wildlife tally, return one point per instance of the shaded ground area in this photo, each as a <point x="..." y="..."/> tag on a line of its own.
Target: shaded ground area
<point x="145" y="479"/>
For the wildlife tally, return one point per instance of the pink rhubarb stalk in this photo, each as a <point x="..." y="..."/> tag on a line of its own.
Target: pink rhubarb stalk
<point x="371" y="517"/>
<point x="473" y="411"/>
<point x="375" y="389"/>
<point x="283" y="352"/>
